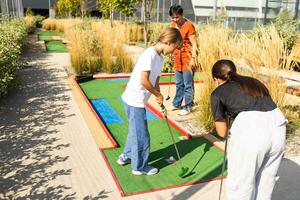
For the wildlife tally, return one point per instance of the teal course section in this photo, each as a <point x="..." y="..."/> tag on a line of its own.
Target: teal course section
<point x="200" y="156"/>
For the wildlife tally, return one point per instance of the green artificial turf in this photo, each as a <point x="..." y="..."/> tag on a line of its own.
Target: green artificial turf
<point x="203" y="160"/>
<point x="55" y="47"/>
<point x="47" y="35"/>
<point x="197" y="77"/>
<point x="96" y="89"/>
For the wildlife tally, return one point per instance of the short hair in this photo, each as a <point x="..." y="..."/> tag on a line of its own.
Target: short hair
<point x="175" y="9"/>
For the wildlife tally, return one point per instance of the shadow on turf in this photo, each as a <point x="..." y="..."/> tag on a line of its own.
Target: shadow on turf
<point x="184" y="147"/>
<point x="191" y="172"/>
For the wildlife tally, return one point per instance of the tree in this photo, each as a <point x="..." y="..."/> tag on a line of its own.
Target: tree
<point x="83" y="8"/>
<point x="29" y="12"/>
<point x="287" y="28"/>
<point x="68" y="7"/>
<point x="107" y="7"/>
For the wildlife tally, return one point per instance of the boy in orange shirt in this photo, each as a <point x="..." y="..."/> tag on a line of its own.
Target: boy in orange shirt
<point x="184" y="61"/>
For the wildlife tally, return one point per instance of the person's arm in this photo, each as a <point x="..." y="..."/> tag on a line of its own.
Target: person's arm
<point x="222" y="127"/>
<point x="219" y="115"/>
<point x="193" y="40"/>
<point x="153" y="90"/>
<point x="157" y="84"/>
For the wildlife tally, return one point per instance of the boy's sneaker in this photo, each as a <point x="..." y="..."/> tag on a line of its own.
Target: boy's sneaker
<point x="184" y="111"/>
<point x="123" y="160"/>
<point x="172" y="108"/>
<point x="148" y="171"/>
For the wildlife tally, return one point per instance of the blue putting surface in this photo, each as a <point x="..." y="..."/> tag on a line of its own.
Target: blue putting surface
<point x="106" y="112"/>
<point x="149" y="115"/>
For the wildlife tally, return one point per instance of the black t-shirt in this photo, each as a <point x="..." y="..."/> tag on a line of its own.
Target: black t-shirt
<point x="229" y="99"/>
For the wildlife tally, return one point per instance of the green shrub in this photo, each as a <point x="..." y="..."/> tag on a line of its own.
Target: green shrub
<point x="30" y="24"/>
<point x="168" y="65"/>
<point x="287" y="28"/>
<point x="12" y="35"/>
<point x="39" y="20"/>
<point x="29" y="12"/>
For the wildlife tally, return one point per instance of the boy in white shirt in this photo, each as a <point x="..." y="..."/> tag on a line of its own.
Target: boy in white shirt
<point x="143" y="82"/>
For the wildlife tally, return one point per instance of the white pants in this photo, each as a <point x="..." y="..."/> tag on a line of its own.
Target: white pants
<point x="255" y="150"/>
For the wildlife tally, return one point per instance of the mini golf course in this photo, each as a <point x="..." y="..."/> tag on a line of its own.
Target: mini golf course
<point x="52" y="45"/>
<point x="48" y="35"/>
<point x="55" y="46"/>
<point x="200" y="156"/>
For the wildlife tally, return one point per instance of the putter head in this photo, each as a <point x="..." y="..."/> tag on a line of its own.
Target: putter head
<point x="183" y="172"/>
<point x="167" y="98"/>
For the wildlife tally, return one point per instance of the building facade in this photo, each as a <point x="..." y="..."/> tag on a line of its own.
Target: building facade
<point x="11" y="8"/>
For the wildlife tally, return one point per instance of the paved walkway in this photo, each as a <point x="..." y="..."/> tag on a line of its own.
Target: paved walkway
<point x="48" y="152"/>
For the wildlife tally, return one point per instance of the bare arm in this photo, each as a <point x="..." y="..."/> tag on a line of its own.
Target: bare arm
<point x="222" y="127"/>
<point x="157" y="84"/>
<point x="153" y="90"/>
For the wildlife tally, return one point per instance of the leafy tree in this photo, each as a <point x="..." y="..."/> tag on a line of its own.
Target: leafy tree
<point x="107" y="7"/>
<point x="83" y="8"/>
<point x="124" y="6"/>
<point x="68" y="7"/>
<point x="29" y="12"/>
<point x="287" y="28"/>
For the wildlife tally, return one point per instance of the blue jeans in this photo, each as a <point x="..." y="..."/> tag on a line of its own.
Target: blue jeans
<point x="137" y="146"/>
<point x="184" y="88"/>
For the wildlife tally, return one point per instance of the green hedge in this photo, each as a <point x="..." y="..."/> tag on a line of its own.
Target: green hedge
<point x="12" y="35"/>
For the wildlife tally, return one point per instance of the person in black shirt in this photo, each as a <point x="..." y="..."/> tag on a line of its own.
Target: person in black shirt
<point x="257" y="134"/>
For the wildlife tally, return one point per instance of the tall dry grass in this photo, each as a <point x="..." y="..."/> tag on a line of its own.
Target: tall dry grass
<point x="60" y="25"/>
<point x="265" y="53"/>
<point x="260" y="54"/>
<point x="134" y="32"/>
<point x="154" y="30"/>
<point x="30" y="23"/>
<point x="213" y="45"/>
<point x="95" y="47"/>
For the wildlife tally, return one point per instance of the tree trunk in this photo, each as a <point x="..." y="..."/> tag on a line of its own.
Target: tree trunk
<point x="111" y="16"/>
<point x="146" y="17"/>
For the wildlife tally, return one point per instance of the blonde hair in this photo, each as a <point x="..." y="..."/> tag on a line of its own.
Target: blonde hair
<point x="170" y="35"/>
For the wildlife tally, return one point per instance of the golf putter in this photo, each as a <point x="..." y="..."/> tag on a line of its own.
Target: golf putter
<point x="223" y="168"/>
<point x="224" y="159"/>
<point x="184" y="170"/>
<point x="168" y="97"/>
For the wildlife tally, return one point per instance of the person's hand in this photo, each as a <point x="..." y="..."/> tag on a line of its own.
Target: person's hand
<point x="159" y="99"/>
<point x="163" y="111"/>
<point x="193" y="64"/>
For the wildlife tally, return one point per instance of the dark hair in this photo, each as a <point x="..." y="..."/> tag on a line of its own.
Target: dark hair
<point x="175" y="9"/>
<point x="226" y="70"/>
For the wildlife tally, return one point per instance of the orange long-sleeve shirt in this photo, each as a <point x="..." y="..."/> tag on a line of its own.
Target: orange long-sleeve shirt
<point x="182" y="56"/>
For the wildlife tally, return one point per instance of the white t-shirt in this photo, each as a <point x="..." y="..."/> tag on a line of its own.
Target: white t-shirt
<point x="135" y="94"/>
